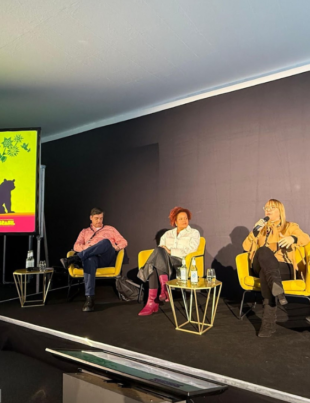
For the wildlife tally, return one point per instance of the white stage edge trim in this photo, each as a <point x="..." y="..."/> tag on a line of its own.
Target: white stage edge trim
<point x="251" y="387"/>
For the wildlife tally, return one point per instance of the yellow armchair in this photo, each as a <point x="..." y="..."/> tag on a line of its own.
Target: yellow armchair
<point x="198" y="255"/>
<point x="102" y="272"/>
<point x="292" y="288"/>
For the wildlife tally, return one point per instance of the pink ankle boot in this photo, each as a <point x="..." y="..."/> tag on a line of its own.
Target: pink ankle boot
<point x="164" y="296"/>
<point x="151" y="306"/>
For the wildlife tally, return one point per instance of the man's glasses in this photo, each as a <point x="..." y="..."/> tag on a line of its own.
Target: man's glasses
<point x="269" y="208"/>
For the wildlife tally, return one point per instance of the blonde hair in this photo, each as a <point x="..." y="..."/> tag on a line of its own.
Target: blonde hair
<point x="276" y="203"/>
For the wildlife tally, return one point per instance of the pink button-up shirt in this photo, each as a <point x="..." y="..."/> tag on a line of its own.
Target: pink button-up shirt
<point x="90" y="236"/>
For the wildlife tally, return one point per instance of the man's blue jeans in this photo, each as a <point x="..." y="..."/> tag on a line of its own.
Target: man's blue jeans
<point x="100" y="255"/>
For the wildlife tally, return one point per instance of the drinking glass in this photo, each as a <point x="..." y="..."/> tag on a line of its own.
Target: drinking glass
<point x="211" y="276"/>
<point x="42" y="265"/>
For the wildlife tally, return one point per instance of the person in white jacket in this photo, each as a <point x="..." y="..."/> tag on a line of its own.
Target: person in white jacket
<point x="174" y="245"/>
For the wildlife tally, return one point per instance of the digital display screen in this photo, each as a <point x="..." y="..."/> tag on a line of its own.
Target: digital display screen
<point x="19" y="176"/>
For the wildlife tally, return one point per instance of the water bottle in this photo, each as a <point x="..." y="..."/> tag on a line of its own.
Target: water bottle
<point x="28" y="260"/>
<point x="194" y="273"/>
<point x="31" y="261"/>
<point x="183" y="271"/>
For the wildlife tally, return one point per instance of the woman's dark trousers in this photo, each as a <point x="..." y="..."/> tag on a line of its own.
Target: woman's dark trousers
<point x="271" y="273"/>
<point x="175" y="262"/>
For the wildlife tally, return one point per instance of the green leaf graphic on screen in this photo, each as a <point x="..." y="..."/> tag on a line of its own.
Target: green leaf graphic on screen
<point x="11" y="147"/>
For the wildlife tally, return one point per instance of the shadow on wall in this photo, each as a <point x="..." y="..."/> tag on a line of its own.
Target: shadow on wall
<point x="208" y="258"/>
<point x="132" y="273"/>
<point x="198" y="228"/>
<point x="159" y="234"/>
<point x="224" y="264"/>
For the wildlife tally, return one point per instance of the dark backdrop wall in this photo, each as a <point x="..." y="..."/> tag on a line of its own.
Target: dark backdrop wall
<point x="124" y="183"/>
<point x="222" y="157"/>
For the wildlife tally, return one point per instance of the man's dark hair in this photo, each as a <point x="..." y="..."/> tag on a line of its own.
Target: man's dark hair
<point x="96" y="210"/>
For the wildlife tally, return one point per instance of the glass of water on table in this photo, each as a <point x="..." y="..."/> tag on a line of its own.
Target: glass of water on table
<point x="211" y="276"/>
<point x="42" y="265"/>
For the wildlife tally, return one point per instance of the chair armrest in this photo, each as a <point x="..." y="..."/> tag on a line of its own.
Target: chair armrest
<point x="119" y="262"/>
<point x="307" y="272"/>
<point x="190" y="256"/>
<point x="143" y="256"/>
<point x="70" y="253"/>
<point x="242" y="263"/>
<point x="71" y="267"/>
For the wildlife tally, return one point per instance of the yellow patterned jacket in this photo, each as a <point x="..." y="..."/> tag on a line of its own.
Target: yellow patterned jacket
<point x="270" y="236"/>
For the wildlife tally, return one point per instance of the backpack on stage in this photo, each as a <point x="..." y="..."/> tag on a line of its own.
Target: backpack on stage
<point x="128" y="290"/>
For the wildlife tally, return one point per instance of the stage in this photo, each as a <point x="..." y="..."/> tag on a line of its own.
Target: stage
<point x="230" y="353"/>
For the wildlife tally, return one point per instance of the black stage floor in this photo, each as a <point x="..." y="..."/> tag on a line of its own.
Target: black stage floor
<point x="231" y="348"/>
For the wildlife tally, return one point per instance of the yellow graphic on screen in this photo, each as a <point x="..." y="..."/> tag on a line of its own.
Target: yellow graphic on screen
<point x="18" y="170"/>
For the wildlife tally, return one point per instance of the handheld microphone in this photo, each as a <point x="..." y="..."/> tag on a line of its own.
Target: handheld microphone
<point x="265" y="219"/>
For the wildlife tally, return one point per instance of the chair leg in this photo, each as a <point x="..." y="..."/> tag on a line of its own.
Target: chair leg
<point x="242" y="303"/>
<point x="69" y="287"/>
<point x="70" y="282"/>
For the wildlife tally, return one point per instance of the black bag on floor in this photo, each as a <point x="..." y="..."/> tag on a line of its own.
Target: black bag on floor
<point x="128" y="290"/>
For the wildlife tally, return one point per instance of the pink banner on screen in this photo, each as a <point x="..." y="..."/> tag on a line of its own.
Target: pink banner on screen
<point x="17" y="223"/>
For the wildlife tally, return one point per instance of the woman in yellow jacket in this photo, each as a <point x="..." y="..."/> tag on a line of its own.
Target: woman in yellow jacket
<point x="272" y="253"/>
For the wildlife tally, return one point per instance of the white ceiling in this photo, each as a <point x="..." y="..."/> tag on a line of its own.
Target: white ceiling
<point x="70" y="65"/>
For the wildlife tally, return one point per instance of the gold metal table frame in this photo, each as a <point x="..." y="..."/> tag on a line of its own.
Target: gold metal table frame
<point x="20" y="278"/>
<point x="202" y="284"/>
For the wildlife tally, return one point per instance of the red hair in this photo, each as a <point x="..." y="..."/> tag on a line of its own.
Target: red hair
<point x="175" y="212"/>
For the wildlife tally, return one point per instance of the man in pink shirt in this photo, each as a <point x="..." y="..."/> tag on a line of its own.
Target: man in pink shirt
<point x="97" y="246"/>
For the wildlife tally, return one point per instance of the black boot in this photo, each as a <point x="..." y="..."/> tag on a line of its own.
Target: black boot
<point x="269" y="320"/>
<point x="282" y="315"/>
<point x="89" y="305"/>
<point x="66" y="262"/>
<point x="277" y="291"/>
<point x="270" y="267"/>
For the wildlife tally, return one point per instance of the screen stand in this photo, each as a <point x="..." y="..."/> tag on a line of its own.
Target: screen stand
<point x="3" y="262"/>
<point x="42" y="227"/>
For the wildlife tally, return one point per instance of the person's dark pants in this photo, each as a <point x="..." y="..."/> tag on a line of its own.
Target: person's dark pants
<point x="100" y="255"/>
<point x="175" y="262"/>
<point x="270" y="271"/>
